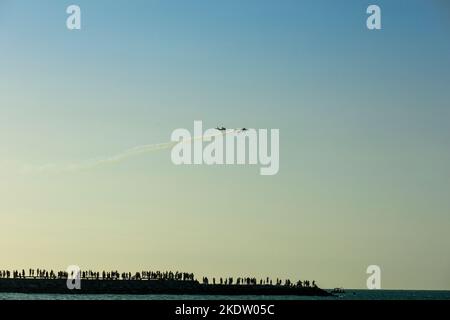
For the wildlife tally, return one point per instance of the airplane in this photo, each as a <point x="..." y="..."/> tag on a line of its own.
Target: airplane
<point x="244" y="129"/>
<point x="221" y="128"/>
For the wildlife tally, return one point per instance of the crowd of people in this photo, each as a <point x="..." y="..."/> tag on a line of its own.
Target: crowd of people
<point x="95" y="275"/>
<point x="254" y="281"/>
<point x="148" y="275"/>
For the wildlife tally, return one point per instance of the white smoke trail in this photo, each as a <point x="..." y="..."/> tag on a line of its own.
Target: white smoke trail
<point x="117" y="158"/>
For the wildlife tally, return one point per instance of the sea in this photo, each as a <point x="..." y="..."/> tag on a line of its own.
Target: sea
<point x="348" y="295"/>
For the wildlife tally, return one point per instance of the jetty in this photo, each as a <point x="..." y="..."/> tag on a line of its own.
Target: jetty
<point x="59" y="286"/>
<point x="147" y="282"/>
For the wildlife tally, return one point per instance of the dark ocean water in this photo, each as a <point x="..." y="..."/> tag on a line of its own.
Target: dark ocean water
<point x="348" y="295"/>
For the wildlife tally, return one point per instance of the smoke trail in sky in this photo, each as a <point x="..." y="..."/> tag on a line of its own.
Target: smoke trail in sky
<point x="117" y="158"/>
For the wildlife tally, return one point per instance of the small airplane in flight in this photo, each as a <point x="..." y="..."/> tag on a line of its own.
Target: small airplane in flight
<point x="221" y="128"/>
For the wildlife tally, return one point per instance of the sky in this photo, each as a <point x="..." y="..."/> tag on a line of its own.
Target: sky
<point x="364" y="128"/>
